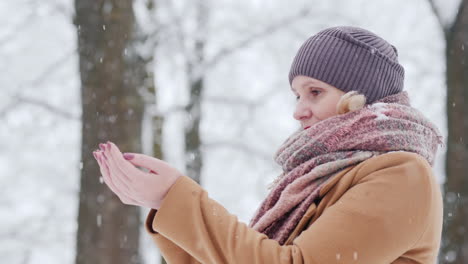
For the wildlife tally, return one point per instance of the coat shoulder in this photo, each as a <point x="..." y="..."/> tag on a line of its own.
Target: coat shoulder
<point x="409" y="162"/>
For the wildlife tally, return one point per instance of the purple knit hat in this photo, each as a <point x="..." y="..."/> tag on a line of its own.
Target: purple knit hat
<point x="351" y="59"/>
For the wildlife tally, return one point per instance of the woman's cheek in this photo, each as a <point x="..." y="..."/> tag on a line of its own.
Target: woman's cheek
<point x="326" y="112"/>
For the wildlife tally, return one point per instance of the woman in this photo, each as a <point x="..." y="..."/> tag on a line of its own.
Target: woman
<point x="357" y="183"/>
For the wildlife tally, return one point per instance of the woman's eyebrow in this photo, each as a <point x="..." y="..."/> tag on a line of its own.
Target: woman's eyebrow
<point x="306" y="84"/>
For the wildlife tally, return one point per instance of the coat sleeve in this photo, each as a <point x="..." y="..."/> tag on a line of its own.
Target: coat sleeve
<point x="170" y="251"/>
<point x="375" y="221"/>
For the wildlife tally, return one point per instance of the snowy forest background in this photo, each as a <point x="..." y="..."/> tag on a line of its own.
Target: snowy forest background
<point x="201" y="84"/>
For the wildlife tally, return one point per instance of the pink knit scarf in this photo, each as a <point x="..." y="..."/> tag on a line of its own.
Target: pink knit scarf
<point x="311" y="157"/>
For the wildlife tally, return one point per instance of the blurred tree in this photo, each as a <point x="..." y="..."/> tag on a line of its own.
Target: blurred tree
<point x="454" y="248"/>
<point x="193" y="154"/>
<point x="112" y="106"/>
<point x="149" y="39"/>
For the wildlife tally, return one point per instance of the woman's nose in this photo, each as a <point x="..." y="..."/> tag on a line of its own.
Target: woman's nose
<point x="301" y="112"/>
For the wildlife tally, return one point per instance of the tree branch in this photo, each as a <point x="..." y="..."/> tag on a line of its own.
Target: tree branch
<point x="20" y="99"/>
<point x="270" y="29"/>
<point x="239" y="146"/>
<point x="438" y="16"/>
<point x="61" y="8"/>
<point x="53" y="109"/>
<point x="9" y="107"/>
<point x="262" y="99"/>
<point x="262" y="33"/>
<point x="16" y="31"/>
<point x="51" y="69"/>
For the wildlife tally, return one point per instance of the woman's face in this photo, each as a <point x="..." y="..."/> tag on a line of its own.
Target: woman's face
<point x="316" y="100"/>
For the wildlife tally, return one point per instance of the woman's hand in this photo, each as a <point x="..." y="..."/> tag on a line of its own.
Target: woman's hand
<point x="130" y="184"/>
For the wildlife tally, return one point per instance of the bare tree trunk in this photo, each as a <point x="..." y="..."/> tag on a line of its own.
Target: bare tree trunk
<point x="455" y="241"/>
<point x="108" y="231"/>
<point x="193" y="154"/>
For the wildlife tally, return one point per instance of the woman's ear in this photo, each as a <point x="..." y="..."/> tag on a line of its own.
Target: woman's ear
<point x="350" y="101"/>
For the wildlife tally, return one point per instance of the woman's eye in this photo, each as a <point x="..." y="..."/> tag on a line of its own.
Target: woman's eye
<point x="315" y="92"/>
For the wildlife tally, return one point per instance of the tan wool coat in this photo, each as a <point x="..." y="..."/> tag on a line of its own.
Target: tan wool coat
<point x="387" y="209"/>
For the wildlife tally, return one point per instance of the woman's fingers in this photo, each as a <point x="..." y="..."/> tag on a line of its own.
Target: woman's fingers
<point x="104" y="168"/>
<point x="116" y="175"/>
<point x="153" y="164"/>
<point x="129" y="171"/>
<point x="105" y="172"/>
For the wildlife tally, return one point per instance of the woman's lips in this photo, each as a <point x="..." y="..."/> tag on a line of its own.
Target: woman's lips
<point x="306" y="127"/>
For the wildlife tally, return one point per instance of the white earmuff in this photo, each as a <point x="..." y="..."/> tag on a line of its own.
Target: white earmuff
<point x="351" y="101"/>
